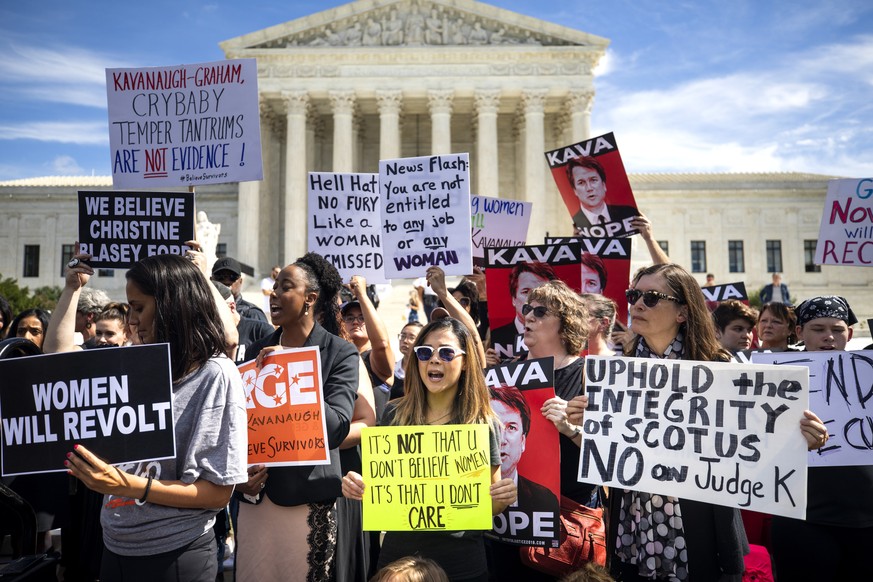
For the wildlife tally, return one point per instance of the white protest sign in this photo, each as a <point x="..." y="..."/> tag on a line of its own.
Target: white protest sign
<point x="184" y="125"/>
<point x="498" y="223"/>
<point x="840" y="392"/>
<point x="425" y="205"/>
<point x="344" y="223"/>
<point x="722" y="433"/>
<point x="845" y="236"/>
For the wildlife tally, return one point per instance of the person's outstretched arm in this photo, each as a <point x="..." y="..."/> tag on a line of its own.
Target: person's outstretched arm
<point x="381" y="356"/>
<point x="436" y="278"/>
<point x="644" y="226"/>
<point x="60" y="335"/>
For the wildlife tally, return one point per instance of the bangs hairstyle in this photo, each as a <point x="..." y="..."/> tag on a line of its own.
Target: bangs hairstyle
<point x="730" y="310"/>
<point x="569" y="307"/>
<point x="186" y="316"/>
<point x="700" y="341"/>
<point x="472" y="404"/>
<point x="786" y="314"/>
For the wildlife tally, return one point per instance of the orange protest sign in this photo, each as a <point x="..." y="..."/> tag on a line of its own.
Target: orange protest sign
<point x="285" y="409"/>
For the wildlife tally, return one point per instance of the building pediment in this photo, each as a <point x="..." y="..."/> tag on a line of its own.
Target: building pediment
<point x="390" y="24"/>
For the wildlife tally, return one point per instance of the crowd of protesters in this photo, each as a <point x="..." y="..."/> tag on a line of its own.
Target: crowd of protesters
<point x="305" y="523"/>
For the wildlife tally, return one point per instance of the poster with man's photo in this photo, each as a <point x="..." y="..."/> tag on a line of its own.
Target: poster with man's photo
<point x="594" y="185"/>
<point x="605" y="269"/>
<point x="529" y="452"/>
<point x="510" y="274"/>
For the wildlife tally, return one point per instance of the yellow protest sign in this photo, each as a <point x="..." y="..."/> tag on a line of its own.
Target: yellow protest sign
<point x="421" y="478"/>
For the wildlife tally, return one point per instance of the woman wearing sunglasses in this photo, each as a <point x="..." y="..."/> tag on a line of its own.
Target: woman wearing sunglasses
<point x="671" y="321"/>
<point x="556" y="326"/>
<point x="444" y="385"/>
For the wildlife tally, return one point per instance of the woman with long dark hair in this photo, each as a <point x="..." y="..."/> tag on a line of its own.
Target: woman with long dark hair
<point x="157" y="515"/>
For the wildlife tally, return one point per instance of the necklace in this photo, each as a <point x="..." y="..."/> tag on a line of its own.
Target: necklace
<point x="440" y="418"/>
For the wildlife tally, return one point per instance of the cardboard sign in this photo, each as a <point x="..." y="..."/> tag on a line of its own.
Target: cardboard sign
<point x="425" y="204"/>
<point x="497" y="223"/>
<point x="518" y="391"/>
<point x="184" y="125"/>
<point x="840" y="388"/>
<point x="285" y="409"/>
<point x="344" y="223"/>
<point x="605" y="268"/>
<point x="722" y="433"/>
<point x="426" y="478"/>
<point x="601" y="180"/>
<point x="533" y="266"/>
<point x="116" y="402"/>
<point x="119" y="228"/>
<point x="845" y="236"/>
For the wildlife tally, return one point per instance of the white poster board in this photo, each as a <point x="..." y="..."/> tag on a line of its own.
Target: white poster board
<point x="840" y="392"/>
<point x="184" y="125"/>
<point x="425" y="205"/>
<point x="845" y="236"/>
<point x="498" y="223"/>
<point x="344" y="223"/>
<point x="723" y="433"/>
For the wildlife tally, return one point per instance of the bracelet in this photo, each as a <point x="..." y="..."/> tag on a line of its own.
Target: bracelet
<point x="147" y="489"/>
<point x="576" y="432"/>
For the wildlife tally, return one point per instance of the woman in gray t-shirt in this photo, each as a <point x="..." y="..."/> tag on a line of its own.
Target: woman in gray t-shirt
<point x="157" y="516"/>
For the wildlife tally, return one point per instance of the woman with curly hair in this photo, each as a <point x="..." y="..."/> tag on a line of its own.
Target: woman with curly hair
<point x="444" y="385"/>
<point x="556" y="326"/>
<point x="290" y="531"/>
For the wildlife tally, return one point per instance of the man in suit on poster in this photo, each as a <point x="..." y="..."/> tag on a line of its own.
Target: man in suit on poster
<point x="596" y="218"/>
<point x="507" y="341"/>
<point x="538" y="502"/>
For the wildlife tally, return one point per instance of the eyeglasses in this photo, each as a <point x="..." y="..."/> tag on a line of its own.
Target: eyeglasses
<point x="353" y="319"/>
<point x="539" y="311"/>
<point x="407" y="337"/>
<point x="464" y="301"/>
<point x="650" y="298"/>
<point x="445" y="353"/>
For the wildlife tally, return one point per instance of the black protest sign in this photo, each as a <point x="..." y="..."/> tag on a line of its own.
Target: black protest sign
<point x="727" y="291"/>
<point x="117" y="402"/>
<point x="119" y="228"/>
<point x="723" y="433"/>
<point x="529" y="452"/>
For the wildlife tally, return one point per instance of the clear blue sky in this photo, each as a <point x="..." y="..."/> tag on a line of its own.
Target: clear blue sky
<point x="693" y="86"/>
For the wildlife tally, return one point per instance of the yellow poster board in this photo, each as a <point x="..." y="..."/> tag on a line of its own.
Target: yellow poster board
<point x="426" y="478"/>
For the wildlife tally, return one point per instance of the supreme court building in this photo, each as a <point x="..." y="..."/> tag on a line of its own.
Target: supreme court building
<point x="379" y="79"/>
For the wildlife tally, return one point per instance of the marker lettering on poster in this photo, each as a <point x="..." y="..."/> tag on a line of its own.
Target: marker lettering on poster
<point x="425" y="204"/>
<point x="718" y="432"/>
<point x="344" y="223"/>
<point x="187" y="123"/>
<point x="426" y="478"/>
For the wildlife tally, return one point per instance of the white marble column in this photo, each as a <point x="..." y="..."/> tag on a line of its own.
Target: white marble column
<point x="390" y="103"/>
<point x="533" y="103"/>
<point x="579" y="104"/>
<point x="487" y="174"/>
<point x="296" y="107"/>
<point x="249" y="203"/>
<point x="343" y="104"/>
<point x="440" y="104"/>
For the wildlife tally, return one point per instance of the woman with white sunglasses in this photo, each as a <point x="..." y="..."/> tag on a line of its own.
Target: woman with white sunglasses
<point x="444" y="385"/>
